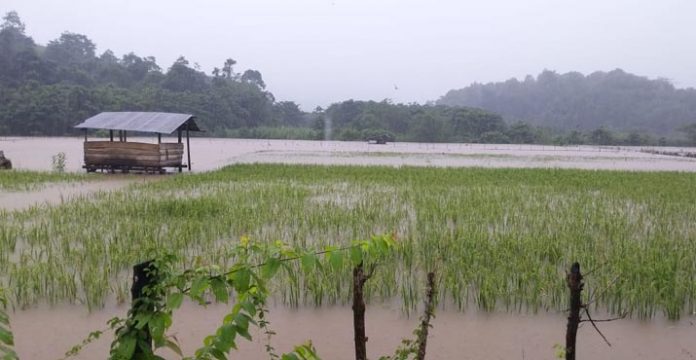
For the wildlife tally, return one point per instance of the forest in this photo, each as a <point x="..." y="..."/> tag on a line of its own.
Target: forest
<point x="46" y="89"/>
<point x="615" y="100"/>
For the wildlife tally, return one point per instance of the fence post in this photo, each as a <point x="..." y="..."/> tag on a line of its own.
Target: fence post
<point x="143" y="276"/>
<point x="575" y="286"/>
<point x="359" y="279"/>
<point x="428" y="313"/>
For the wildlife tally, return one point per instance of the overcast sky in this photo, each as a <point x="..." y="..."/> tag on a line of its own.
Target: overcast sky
<point x="316" y="52"/>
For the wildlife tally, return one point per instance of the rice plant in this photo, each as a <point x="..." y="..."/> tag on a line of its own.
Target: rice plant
<point x="500" y="238"/>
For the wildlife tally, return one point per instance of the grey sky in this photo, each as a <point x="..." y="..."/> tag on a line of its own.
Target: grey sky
<point x="316" y="52"/>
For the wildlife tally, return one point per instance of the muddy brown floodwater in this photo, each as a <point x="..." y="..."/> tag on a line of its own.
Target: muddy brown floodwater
<point x="211" y="153"/>
<point x="56" y="193"/>
<point x="46" y="333"/>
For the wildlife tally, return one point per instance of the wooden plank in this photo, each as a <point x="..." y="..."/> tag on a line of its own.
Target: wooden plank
<point x="107" y="153"/>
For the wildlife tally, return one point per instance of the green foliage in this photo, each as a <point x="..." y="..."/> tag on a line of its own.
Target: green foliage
<point x="48" y="92"/>
<point x="14" y="180"/>
<point x="502" y="236"/>
<point x="247" y="278"/>
<point x="302" y="352"/>
<point x="6" y="338"/>
<point x="360" y="120"/>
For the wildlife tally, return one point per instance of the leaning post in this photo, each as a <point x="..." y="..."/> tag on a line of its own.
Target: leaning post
<point x="575" y="285"/>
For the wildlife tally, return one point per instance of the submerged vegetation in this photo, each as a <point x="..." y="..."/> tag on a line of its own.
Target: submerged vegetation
<point x="25" y="180"/>
<point x="500" y="238"/>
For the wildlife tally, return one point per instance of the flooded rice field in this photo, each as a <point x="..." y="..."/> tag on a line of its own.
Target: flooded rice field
<point x="456" y="335"/>
<point x="57" y="193"/>
<point x="212" y="153"/>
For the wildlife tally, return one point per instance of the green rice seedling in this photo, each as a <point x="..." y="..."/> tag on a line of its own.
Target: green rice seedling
<point x="501" y="238"/>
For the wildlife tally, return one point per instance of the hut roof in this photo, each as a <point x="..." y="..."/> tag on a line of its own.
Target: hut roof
<point x="154" y="122"/>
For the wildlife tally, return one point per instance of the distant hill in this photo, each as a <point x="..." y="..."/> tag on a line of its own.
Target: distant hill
<point x="615" y="100"/>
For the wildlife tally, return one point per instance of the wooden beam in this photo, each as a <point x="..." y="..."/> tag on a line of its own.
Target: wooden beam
<point x="85" y="134"/>
<point x="188" y="146"/>
<point x="159" y="138"/>
<point x="111" y="135"/>
<point x="178" y="131"/>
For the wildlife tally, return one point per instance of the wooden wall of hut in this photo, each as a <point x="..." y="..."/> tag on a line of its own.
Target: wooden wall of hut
<point x="133" y="154"/>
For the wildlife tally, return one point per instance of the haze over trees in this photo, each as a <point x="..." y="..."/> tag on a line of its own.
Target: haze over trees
<point x="47" y="89"/>
<point x="615" y="101"/>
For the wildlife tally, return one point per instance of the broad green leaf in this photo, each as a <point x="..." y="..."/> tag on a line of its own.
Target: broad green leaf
<point x="199" y="285"/>
<point x="356" y="255"/>
<point x="220" y="290"/>
<point x="308" y="261"/>
<point x="336" y="260"/>
<point x="142" y="319"/>
<point x="174" y="300"/>
<point x="249" y="307"/>
<point x="126" y="347"/>
<point x="157" y="326"/>
<point x="271" y="267"/>
<point x="241" y="279"/>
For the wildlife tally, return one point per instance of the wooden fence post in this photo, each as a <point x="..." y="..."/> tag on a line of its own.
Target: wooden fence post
<point x="428" y="313"/>
<point x="143" y="276"/>
<point x="359" y="279"/>
<point x="575" y="286"/>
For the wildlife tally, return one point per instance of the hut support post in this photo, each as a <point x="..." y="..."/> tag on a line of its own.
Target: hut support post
<point x="188" y="146"/>
<point x="111" y="135"/>
<point x="159" y="138"/>
<point x="125" y="137"/>
<point x="85" y="135"/>
<point x="179" y="136"/>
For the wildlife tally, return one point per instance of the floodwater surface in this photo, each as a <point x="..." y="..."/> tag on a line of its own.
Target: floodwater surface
<point x="212" y="153"/>
<point x="46" y="333"/>
<point x="57" y="193"/>
<point x="455" y="335"/>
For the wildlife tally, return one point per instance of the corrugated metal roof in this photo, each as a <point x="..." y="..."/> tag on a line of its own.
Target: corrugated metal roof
<point x="156" y="122"/>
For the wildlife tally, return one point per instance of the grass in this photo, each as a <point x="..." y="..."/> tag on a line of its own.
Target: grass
<point x="19" y="180"/>
<point x="500" y="239"/>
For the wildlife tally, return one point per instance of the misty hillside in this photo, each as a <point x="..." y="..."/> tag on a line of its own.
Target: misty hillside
<point x="47" y="89"/>
<point x="615" y="100"/>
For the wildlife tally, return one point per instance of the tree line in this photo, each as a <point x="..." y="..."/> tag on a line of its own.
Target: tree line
<point x="47" y="89"/>
<point x="615" y="100"/>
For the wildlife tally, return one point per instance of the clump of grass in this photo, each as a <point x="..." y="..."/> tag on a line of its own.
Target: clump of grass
<point x="500" y="238"/>
<point x="16" y="180"/>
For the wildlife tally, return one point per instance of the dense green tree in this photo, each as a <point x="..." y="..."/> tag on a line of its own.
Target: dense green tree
<point x="253" y="77"/>
<point x="71" y="49"/>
